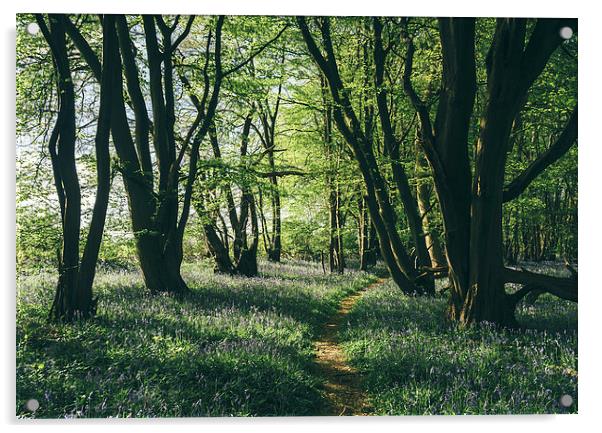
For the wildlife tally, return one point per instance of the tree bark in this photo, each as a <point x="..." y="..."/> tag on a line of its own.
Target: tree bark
<point x="335" y="248"/>
<point x="159" y="265"/>
<point x="268" y="118"/>
<point x="87" y="267"/>
<point x="399" y="175"/>
<point x="244" y="254"/>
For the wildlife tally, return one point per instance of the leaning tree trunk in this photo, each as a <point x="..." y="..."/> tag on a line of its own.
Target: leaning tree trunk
<point x="335" y="247"/>
<point x="87" y="267"/>
<point x="423" y="195"/>
<point x="383" y="215"/>
<point x="400" y="178"/>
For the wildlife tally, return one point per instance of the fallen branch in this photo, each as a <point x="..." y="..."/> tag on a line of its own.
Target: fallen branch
<point x="562" y="287"/>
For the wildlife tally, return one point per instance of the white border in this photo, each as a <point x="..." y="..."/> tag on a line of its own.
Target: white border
<point x="590" y="164"/>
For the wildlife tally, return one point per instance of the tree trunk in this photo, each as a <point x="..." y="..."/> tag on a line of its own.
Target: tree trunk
<point x="400" y="177"/>
<point x="383" y="215"/>
<point x="73" y="298"/>
<point x="87" y="267"/>
<point x="337" y="261"/>
<point x="367" y="238"/>
<point x="68" y="302"/>
<point x="362" y="235"/>
<point x="159" y="265"/>
<point x="486" y="297"/>
<point x="335" y="248"/>
<point x="244" y="255"/>
<point x="473" y="219"/>
<point x="423" y="194"/>
<point x="275" y="247"/>
<point x="247" y="263"/>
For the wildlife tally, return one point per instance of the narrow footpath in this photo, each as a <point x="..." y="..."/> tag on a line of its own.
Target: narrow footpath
<point x="343" y="383"/>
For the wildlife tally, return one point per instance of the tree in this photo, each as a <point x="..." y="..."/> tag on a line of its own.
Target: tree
<point x="471" y="204"/>
<point x="154" y="213"/>
<point x="382" y="213"/>
<point x="73" y="298"/>
<point x="244" y="251"/>
<point x="268" y="116"/>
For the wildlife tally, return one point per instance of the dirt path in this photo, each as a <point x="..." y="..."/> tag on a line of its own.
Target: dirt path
<point x="343" y="385"/>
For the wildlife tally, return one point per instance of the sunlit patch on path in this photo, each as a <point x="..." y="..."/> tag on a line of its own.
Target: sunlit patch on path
<point x="343" y="383"/>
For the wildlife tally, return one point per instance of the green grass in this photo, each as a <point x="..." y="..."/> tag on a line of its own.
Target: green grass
<point x="236" y="346"/>
<point x="239" y="346"/>
<point x="416" y="363"/>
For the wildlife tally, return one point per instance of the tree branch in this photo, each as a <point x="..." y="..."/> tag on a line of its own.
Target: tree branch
<point x="550" y="156"/>
<point x="256" y="53"/>
<point x="183" y="35"/>
<point x="543" y="42"/>
<point x="565" y="288"/>
<point x="84" y="48"/>
<point x="280" y="173"/>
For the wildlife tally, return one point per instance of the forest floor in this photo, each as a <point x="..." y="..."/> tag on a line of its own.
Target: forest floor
<point x="343" y="383"/>
<point x="292" y="341"/>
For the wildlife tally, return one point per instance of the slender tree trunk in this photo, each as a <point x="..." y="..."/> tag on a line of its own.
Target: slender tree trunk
<point x="373" y="252"/>
<point x="367" y="237"/>
<point x="67" y="301"/>
<point x="362" y="234"/>
<point x="335" y="248"/>
<point x="247" y="263"/>
<point x="337" y="263"/>
<point x="244" y="260"/>
<point x="247" y="257"/>
<point x="275" y="248"/>
<point x="399" y="175"/>
<point x="103" y="171"/>
<point x="383" y="215"/>
<point x="423" y="194"/>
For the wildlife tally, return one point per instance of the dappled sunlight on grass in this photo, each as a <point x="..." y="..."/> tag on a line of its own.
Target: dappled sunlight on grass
<point x="417" y="363"/>
<point x="245" y="346"/>
<point x="234" y="346"/>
